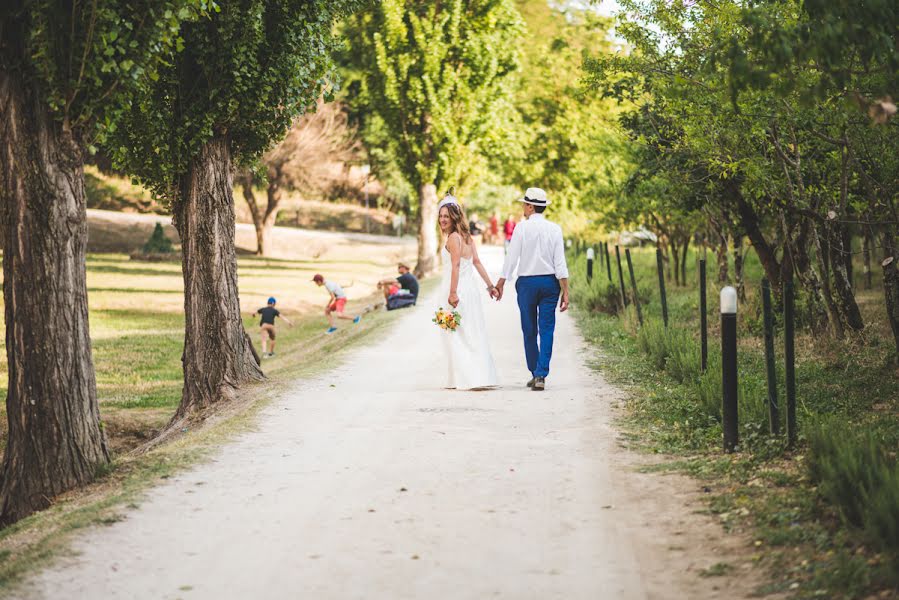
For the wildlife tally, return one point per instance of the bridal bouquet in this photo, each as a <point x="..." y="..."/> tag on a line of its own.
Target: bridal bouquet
<point x="447" y="320"/>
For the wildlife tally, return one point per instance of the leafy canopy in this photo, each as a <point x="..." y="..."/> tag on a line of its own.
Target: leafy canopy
<point x="437" y="76"/>
<point x="244" y="73"/>
<point x="86" y="59"/>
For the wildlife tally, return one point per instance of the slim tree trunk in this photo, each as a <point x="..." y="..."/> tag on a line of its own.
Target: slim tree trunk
<point x="749" y="223"/>
<point x="246" y="185"/>
<point x="833" y="316"/>
<point x="890" y="266"/>
<point x="866" y="253"/>
<point x="427" y="229"/>
<point x="675" y="260"/>
<point x="218" y="355"/>
<point x="842" y="280"/>
<point x="846" y="242"/>
<point x="273" y="195"/>
<point x="738" y="267"/>
<point x="55" y="437"/>
<point x="683" y="260"/>
<point x="721" y="255"/>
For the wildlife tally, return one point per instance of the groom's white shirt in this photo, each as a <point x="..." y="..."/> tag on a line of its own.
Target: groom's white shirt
<point x="536" y="249"/>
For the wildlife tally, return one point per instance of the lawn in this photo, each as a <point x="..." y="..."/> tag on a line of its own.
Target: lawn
<point x="137" y="328"/>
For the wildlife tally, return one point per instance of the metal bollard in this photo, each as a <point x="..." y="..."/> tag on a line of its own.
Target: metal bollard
<point x="590" y="256"/>
<point x="729" y="368"/>
<point x="630" y="268"/>
<point x="605" y="247"/>
<point x="662" y="295"/>
<point x="703" y="321"/>
<point x="620" y="278"/>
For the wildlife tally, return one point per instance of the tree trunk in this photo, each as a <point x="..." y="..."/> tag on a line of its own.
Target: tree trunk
<point x="738" y="267"/>
<point x="841" y="279"/>
<point x="866" y="253"/>
<point x="749" y="223"/>
<point x="675" y="260"/>
<point x="891" y="284"/>
<point x="683" y="260"/>
<point x="427" y="229"/>
<point x="55" y="437"/>
<point x="263" y="222"/>
<point x="721" y="255"/>
<point x="218" y="355"/>
<point x="846" y="243"/>
<point x="833" y="316"/>
<point x="273" y="194"/>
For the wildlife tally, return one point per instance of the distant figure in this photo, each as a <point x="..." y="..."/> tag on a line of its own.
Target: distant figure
<point x="336" y="303"/>
<point x="402" y="291"/>
<point x="474" y="226"/>
<point x="399" y="220"/>
<point x="494" y="228"/>
<point x="267" y="326"/>
<point x="508" y="228"/>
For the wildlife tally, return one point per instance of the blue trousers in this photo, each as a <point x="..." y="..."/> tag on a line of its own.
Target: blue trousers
<point x="538" y="297"/>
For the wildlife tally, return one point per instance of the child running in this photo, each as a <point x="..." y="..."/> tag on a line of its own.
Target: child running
<point x="336" y="303"/>
<point x="267" y="326"/>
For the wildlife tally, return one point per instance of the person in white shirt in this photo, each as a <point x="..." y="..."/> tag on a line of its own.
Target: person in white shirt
<point x="538" y="253"/>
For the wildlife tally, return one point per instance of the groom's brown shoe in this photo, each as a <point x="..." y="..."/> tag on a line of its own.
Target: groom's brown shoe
<point x="539" y="384"/>
<point x="531" y="382"/>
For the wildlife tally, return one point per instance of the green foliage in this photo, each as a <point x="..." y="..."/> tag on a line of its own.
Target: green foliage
<point x="158" y="242"/>
<point x="857" y="473"/>
<point x="571" y="142"/>
<point x="243" y="73"/>
<point x="87" y="59"/>
<point x="436" y="79"/>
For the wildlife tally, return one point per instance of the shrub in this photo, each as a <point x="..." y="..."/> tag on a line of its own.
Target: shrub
<point x="860" y="478"/>
<point x="158" y="242"/>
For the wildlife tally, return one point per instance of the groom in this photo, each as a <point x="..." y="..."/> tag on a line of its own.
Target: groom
<point x="538" y="252"/>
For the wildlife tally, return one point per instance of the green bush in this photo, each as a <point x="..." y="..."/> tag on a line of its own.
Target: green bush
<point x="158" y="242"/>
<point x="857" y="474"/>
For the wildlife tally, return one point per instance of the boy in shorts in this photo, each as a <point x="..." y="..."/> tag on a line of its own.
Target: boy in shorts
<point x="336" y="303"/>
<point x="267" y="326"/>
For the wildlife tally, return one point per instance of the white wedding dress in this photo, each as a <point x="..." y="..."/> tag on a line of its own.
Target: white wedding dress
<point x="469" y="362"/>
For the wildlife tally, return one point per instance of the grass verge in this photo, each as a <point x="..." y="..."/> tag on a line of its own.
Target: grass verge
<point x="824" y="516"/>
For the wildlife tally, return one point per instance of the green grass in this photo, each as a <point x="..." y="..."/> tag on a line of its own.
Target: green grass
<point x="811" y="550"/>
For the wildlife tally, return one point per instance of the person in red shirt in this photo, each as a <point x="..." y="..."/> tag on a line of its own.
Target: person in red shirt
<point x="494" y="228"/>
<point x="508" y="228"/>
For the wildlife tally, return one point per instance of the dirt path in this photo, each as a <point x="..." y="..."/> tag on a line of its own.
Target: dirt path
<point x="373" y="482"/>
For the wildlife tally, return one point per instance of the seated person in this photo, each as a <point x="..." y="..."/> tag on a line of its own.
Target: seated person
<point x="402" y="291"/>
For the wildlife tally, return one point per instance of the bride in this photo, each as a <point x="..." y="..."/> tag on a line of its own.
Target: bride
<point x="469" y="362"/>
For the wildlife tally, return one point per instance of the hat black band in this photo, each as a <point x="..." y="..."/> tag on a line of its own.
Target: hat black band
<point x="531" y="201"/>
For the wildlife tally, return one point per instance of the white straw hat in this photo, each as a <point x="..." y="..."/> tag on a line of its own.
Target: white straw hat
<point x="535" y="196"/>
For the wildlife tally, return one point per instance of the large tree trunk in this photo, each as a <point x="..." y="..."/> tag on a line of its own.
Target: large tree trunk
<point x="218" y="355"/>
<point x="55" y="440"/>
<point x="427" y="229"/>
<point x="842" y="281"/>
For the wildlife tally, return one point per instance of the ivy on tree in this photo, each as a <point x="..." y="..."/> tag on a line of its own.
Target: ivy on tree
<point x="241" y="78"/>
